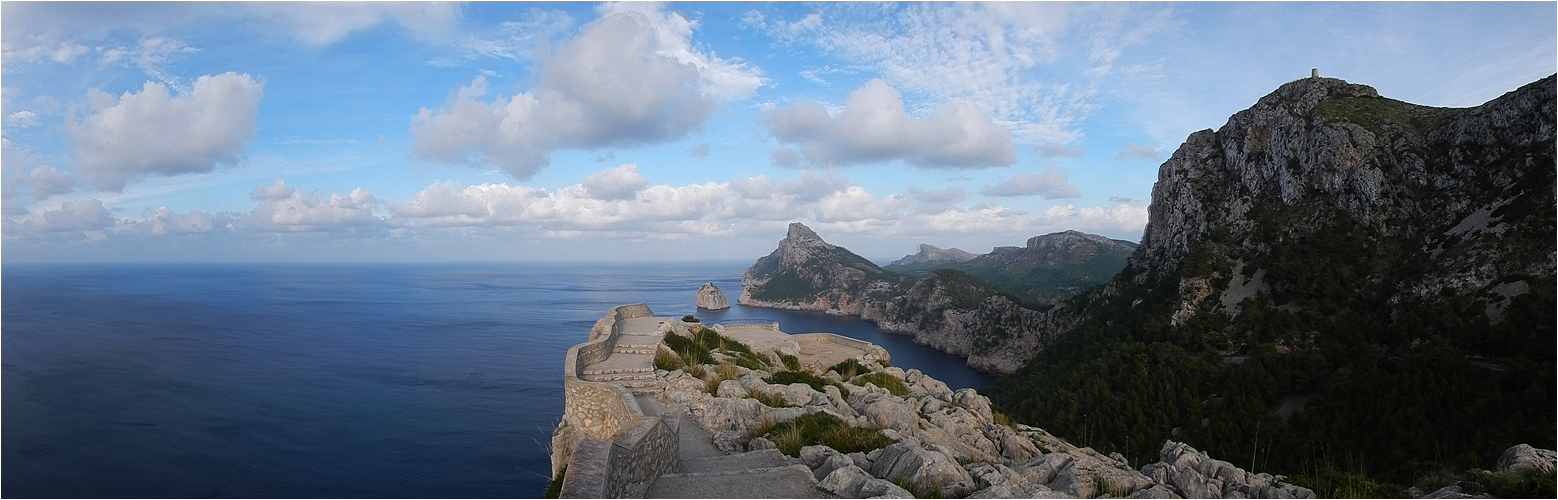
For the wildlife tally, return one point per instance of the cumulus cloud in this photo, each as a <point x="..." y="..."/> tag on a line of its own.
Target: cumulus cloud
<point x="630" y="77"/>
<point x="46" y="181"/>
<point x="1049" y="183"/>
<point x="617" y="183"/>
<point x="1133" y="150"/>
<point x="157" y="133"/>
<point x="281" y="208"/>
<point x="86" y="214"/>
<point x="165" y="221"/>
<point x="874" y="127"/>
<point x="22" y="119"/>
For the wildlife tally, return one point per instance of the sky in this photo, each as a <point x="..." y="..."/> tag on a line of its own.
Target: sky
<point x="496" y="131"/>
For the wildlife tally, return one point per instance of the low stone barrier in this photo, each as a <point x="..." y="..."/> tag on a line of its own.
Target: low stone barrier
<point x="874" y="350"/>
<point x="608" y="446"/>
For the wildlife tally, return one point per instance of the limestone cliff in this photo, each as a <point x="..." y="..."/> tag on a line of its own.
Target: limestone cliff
<point x="1411" y="203"/>
<point x="947" y="309"/>
<point x="1324" y="267"/>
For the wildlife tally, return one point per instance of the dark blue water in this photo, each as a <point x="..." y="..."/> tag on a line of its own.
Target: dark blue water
<point x="320" y="380"/>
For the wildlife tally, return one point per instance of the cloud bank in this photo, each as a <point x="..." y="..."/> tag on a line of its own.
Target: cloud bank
<point x="631" y="77"/>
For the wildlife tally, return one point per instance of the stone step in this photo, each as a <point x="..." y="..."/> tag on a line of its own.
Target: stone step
<point x="633" y="350"/>
<point x="642" y="334"/>
<point x="789" y="481"/>
<point x="645" y="391"/>
<point x="614" y="371"/>
<point x="619" y="377"/>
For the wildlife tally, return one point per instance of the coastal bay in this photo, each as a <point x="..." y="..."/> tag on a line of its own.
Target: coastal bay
<point x="322" y="380"/>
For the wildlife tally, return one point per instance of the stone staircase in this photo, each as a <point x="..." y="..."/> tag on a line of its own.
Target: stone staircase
<point x="639" y="380"/>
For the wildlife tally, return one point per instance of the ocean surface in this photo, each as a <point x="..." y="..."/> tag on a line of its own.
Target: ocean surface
<point x="321" y="380"/>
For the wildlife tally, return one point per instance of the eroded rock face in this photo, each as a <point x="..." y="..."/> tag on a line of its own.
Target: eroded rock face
<point x="710" y="297"/>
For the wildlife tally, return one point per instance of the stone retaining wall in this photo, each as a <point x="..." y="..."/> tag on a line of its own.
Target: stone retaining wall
<point x="610" y="448"/>
<point x="874" y="350"/>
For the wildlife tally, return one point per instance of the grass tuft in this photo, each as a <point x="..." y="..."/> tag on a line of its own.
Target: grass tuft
<point x="789" y="362"/>
<point x="554" y="489"/>
<point x="667" y="360"/>
<point x="822" y="428"/>
<point x="816" y="382"/>
<point x="885" y="381"/>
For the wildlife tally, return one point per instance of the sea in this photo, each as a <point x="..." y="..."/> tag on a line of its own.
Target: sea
<point x="286" y="380"/>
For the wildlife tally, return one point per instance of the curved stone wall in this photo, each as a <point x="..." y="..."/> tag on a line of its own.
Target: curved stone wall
<point x="610" y="449"/>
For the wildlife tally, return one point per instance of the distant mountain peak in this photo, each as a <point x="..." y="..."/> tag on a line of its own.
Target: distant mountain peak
<point x="799" y="232"/>
<point x="930" y="253"/>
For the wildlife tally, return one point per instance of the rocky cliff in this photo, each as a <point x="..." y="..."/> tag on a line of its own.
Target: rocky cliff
<point x="947" y="309"/>
<point x="1325" y="267"/>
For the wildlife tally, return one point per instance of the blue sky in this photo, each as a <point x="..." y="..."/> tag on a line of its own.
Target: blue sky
<point x="640" y="131"/>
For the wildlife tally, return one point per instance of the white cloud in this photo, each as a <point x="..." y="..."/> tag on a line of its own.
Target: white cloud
<point x="631" y="77"/>
<point x="874" y="127"/>
<point x="1036" y="67"/>
<point x="22" y="119"/>
<point x="701" y="150"/>
<point x="154" y="133"/>
<point x="165" y="221"/>
<point x="86" y="214"/>
<point x="617" y="183"/>
<point x="1133" y="150"/>
<point x="46" y="181"/>
<point x="1058" y="150"/>
<point x="36" y="49"/>
<point x="1049" y="183"/>
<point x="281" y="208"/>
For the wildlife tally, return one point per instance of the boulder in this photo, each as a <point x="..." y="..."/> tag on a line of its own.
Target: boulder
<point x="970" y="400"/>
<point x="710" y="297"/>
<point x="731" y="414"/>
<point x="1156" y="491"/>
<point x="853" y="482"/>
<point x="1451" y="491"/>
<point x="925" y="469"/>
<point x="1524" y="456"/>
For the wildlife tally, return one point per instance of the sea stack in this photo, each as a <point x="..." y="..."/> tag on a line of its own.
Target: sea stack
<point x="711" y="298"/>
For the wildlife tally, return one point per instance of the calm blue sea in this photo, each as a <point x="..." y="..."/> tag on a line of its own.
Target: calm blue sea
<point x="320" y="380"/>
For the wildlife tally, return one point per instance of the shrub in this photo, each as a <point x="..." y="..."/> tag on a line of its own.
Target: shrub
<point x="816" y="382"/>
<point x="849" y="368"/>
<point x="725" y="371"/>
<point x="822" y="428"/>
<point x="667" y="360"/>
<point x="790" y="362"/>
<point x="885" y="381"/>
<point x="1002" y="419"/>
<point x="689" y="319"/>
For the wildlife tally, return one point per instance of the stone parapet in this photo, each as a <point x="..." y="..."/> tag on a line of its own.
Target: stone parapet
<point x="610" y="449"/>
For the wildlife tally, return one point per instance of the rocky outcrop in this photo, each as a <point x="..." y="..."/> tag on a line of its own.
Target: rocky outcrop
<point x="931" y="255"/>
<point x="1449" y="201"/>
<point x="941" y="442"/>
<point x="710" y="297"/>
<point x="948" y="310"/>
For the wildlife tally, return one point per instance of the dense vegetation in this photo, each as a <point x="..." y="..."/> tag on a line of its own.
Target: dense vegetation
<point x="1322" y="377"/>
